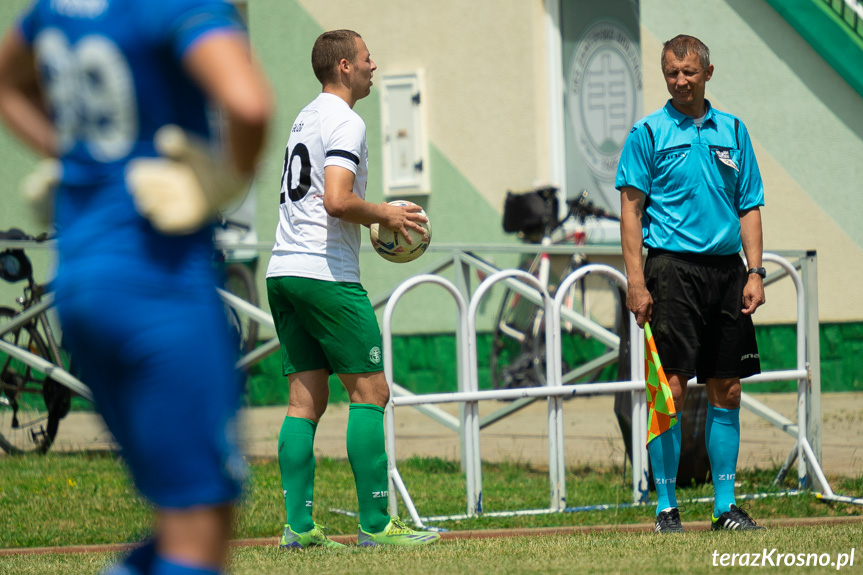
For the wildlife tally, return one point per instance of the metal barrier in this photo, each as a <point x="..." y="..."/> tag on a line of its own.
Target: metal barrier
<point x="469" y="395"/>
<point x="807" y="431"/>
<point x="801" y="374"/>
<point x="639" y="397"/>
<point x="467" y="418"/>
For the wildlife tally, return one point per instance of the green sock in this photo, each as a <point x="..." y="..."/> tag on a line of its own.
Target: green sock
<point x="297" y="466"/>
<point x="368" y="458"/>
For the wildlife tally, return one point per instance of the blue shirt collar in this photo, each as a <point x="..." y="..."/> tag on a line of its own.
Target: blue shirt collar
<point x="679" y="118"/>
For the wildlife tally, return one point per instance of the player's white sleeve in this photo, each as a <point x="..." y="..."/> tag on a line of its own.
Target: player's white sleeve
<point x="344" y="145"/>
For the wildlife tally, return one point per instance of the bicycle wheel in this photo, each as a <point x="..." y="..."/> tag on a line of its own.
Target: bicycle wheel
<point x="29" y="402"/>
<point x="240" y="281"/>
<point x="518" y="341"/>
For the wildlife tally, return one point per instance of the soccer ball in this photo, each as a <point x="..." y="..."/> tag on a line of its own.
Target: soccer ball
<point x="393" y="247"/>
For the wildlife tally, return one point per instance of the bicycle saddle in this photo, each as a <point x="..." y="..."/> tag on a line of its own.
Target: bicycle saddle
<point x="13" y="234"/>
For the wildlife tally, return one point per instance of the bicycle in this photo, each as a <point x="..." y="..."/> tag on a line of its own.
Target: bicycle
<point x="518" y="341"/>
<point x="518" y="345"/>
<point x="239" y="279"/>
<point x="31" y="403"/>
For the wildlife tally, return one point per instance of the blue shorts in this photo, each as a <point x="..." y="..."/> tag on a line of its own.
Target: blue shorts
<point x="160" y="363"/>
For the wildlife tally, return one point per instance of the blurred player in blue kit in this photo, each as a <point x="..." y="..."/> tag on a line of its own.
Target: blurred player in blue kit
<point x="116" y="92"/>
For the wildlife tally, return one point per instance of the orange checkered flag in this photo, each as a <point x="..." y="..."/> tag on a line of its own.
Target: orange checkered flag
<point x="661" y="415"/>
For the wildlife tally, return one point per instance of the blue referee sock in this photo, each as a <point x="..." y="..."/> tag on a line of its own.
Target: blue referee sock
<point x="664" y="452"/>
<point x="722" y="433"/>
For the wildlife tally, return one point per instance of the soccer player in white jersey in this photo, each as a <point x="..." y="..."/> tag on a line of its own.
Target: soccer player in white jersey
<point x="323" y="316"/>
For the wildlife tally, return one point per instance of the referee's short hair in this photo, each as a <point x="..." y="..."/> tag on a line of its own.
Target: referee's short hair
<point x="328" y="51"/>
<point x="682" y="45"/>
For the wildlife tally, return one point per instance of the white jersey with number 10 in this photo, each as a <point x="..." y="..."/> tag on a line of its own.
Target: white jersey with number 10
<point x="309" y="242"/>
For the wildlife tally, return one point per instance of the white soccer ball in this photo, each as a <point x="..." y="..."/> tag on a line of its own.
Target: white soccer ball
<point x="392" y="246"/>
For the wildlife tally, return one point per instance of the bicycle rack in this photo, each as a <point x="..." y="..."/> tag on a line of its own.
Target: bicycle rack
<point x="587" y="326"/>
<point x="469" y="395"/>
<point x="639" y="396"/>
<point x="258" y="315"/>
<point x="554" y="391"/>
<point x="468" y="416"/>
<point x="804" y="451"/>
<point x="62" y="376"/>
<point x="555" y="435"/>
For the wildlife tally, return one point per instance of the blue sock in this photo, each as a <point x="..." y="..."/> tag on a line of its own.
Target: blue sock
<point x="137" y="562"/>
<point x="162" y="566"/>
<point x="664" y="454"/>
<point x="144" y="561"/>
<point x="722" y="433"/>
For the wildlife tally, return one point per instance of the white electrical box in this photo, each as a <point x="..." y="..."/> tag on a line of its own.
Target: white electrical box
<point x="405" y="144"/>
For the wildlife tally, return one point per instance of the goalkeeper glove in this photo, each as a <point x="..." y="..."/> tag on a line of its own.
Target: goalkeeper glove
<point x="39" y="188"/>
<point x="183" y="188"/>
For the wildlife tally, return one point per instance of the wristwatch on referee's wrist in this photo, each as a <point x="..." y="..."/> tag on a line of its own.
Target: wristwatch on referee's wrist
<point x="760" y="271"/>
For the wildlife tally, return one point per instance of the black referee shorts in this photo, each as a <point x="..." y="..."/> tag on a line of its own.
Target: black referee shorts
<point x="697" y="321"/>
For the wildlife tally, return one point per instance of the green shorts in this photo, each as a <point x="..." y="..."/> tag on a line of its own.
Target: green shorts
<point x="325" y="325"/>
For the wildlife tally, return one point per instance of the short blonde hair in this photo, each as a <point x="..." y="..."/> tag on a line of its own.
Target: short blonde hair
<point x="329" y="49"/>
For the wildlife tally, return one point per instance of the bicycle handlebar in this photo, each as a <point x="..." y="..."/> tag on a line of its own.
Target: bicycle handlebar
<point x="17" y="234"/>
<point x="228" y="223"/>
<point x="581" y="207"/>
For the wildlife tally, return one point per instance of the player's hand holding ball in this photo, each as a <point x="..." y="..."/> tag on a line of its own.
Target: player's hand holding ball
<point x="393" y="246"/>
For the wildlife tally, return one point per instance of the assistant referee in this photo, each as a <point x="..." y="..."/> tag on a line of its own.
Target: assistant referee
<point x="691" y="193"/>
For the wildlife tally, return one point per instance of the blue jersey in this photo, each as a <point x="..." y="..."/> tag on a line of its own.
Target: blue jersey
<point x="696" y="181"/>
<point x="112" y="74"/>
<point x="139" y="309"/>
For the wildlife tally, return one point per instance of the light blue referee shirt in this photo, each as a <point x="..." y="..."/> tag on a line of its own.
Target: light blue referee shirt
<point x="697" y="181"/>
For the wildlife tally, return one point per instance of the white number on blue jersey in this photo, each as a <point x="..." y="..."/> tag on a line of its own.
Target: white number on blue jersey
<point x="92" y="94"/>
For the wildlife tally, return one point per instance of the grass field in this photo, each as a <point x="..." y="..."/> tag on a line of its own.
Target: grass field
<point x="643" y="553"/>
<point x="80" y="499"/>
